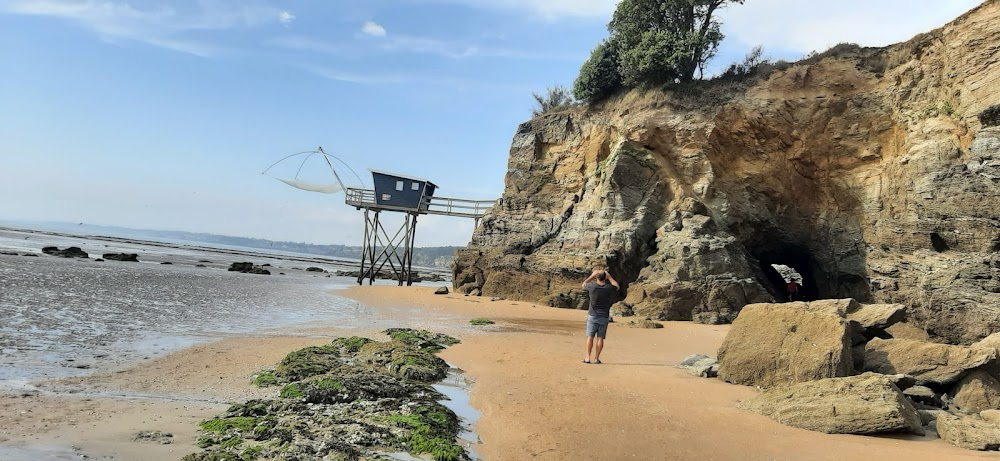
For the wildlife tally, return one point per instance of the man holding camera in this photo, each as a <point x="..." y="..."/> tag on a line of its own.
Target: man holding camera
<point x="603" y="291"/>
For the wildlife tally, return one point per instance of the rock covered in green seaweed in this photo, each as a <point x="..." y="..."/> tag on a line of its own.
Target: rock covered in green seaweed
<point x="354" y="399"/>
<point x="422" y="339"/>
<point x="307" y="362"/>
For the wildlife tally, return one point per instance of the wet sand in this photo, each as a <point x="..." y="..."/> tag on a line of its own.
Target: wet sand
<point x="537" y="400"/>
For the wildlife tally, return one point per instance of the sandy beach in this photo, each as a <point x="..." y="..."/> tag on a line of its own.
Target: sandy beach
<point x="537" y="400"/>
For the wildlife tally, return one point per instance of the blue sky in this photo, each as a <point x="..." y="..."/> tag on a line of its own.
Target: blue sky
<point x="162" y="115"/>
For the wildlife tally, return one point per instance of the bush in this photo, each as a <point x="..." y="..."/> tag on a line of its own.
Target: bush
<point x="555" y="98"/>
<point x="752" y="65"/>
<point x="599" y="77"/>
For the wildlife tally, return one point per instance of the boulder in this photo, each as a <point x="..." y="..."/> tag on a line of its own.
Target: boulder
<point x="622" y="309"/>
<point x="923" y="394"/>
<point x="441" y="291"/>
<point x="903" y="382"/>
<point x="976" y="392"/>
<point x="71" y="252"/>
<point x="129" y="257"/>
<point x="971" y="432"/>
<point x="929" y="363"/>
<point x="313" y="269"/>
<point x="865" y="404"/>
<point x="906" y="330"/>
<point x="777" y="344"/>
<point x="701" y="366"/>
<point x="877" y="316"/>
<point x="991" y="342"/>
<point x="929" y="416"/>
<point x="248" y="268"/>
<point x="992" y="416"/>
<point x="161" y="437"/>
<point x="644" y="323"/>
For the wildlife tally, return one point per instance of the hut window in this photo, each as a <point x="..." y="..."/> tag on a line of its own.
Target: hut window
<point x="416" y="186"/>
<point x="399" y="185"/>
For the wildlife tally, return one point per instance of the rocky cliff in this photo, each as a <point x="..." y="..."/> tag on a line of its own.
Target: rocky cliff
<point x="867" y="170"/>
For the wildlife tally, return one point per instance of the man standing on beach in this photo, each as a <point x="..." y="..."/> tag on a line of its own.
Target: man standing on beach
<point x="603" y="291"/>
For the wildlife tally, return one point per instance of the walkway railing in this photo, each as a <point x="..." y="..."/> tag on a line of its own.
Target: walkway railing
<point x="457" y="207"/>
<point x="464" y="208"/>
<point x="361" y="198"/>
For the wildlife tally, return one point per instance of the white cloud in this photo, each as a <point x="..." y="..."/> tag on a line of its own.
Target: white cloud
<point x="545" y="9"/>
<point x="373" y="29"/>
<point x="162" y="24"/>
<point x="410" y="78"/>
<point x="397" y="43"/>
<point x="285" y="17"/>
<point x="800" y="26"/>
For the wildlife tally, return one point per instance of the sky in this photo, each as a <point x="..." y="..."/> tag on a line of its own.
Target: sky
<point x="163" y="114"/>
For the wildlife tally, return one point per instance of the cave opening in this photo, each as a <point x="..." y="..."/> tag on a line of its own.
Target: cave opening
<point x="795" y="257"/>
<point x="938" y="243"/>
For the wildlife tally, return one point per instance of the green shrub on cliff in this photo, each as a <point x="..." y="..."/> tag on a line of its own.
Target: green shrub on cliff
<point x="599" y="77"/>
<point x="555" y="98"/>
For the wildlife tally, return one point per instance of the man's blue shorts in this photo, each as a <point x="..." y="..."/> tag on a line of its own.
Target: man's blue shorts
<point x="597" y="327"/>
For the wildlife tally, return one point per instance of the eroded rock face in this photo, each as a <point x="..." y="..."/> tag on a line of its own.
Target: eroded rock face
<point x="968" y="431"/>
<point x="977" y="392"/>
<point x="878" y="316"/>
<point x="779" y="344"/>
<point x="865" y="404"/>
<point x="929" y="363"/>
<point x="869" y="182"/>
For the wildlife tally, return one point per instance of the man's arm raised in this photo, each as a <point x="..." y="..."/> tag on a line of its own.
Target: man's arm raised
<point x="612" y="280"/>
<point x="585" y="282"/>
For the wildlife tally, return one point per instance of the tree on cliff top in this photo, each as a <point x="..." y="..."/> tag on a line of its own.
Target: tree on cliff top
<point x="652" y="42"/>
<point x="599" y="76"/>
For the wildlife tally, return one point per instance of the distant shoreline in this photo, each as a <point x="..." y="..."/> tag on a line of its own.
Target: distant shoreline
<point x="249" y="252"/>
<point x="428" y="257"/>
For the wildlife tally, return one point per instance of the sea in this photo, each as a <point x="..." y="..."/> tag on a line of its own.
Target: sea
<point x="63" y="317"/>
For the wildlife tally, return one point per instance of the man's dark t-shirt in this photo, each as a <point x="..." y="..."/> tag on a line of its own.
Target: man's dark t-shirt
<point x="601" y="299"/>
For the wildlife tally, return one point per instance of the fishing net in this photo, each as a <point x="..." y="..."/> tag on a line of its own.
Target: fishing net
<point x="313" y="171"/>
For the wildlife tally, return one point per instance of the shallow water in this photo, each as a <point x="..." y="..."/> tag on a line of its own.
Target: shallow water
<point x="64" y="317"/>
<point x="456" y="388"/>
<point x="68" y="317"/>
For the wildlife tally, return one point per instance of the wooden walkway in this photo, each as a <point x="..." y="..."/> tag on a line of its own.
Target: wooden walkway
<point x="462" y="208"/>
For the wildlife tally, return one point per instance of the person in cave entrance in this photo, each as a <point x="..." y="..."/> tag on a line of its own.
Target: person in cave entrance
<point x="793" y="289"/>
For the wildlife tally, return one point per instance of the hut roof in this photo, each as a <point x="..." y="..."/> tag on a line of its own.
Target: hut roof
<point x="403" y="176"/>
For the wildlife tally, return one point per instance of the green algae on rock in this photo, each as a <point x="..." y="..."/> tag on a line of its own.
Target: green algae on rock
<point x="354" y="399"/>
<point x="481" y="321"/>
<point x="422" y="339"/>
<point x="307" y="362"/>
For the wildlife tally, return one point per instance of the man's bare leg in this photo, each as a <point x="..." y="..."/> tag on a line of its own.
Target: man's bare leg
<point x="590" y="345"/>
<point x="600" y="345"/>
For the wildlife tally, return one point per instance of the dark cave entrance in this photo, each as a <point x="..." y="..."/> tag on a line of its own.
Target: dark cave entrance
<point x="797" y="258"/>
<point x="821" y="278"/>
